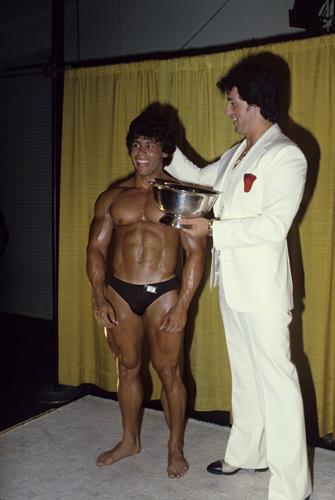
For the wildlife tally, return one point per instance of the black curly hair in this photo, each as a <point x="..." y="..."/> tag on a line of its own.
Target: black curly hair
<point x="255" y="85"/>
<point x="151" y="127"/>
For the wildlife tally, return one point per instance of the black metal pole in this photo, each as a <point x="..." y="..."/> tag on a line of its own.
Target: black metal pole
<point x="56" y="394"/>
<point x="57" y="102"/>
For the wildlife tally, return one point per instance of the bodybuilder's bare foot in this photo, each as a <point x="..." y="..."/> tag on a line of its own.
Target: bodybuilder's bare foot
<point x="177" y="466"/>
<point x="121" y="450"/>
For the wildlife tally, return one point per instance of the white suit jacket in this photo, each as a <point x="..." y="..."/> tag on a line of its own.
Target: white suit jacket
<point x="251" y="226"/>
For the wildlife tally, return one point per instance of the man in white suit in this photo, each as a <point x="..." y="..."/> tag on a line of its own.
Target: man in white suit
<point x="261" y="181"/>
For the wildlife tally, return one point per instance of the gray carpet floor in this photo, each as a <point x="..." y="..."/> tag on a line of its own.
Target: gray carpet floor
<point x="52" y="457"/>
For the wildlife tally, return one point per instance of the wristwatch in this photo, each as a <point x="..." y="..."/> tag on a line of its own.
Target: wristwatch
<point x="210" y="227"/>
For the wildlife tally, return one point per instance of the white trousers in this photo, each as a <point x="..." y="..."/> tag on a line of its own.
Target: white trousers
<point x="268" y="420"/>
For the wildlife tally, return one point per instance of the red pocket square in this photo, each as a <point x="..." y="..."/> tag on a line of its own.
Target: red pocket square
<point x="249" y="179"/>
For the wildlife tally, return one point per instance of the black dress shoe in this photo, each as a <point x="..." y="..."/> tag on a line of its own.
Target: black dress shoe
<point x="222" y="467"/>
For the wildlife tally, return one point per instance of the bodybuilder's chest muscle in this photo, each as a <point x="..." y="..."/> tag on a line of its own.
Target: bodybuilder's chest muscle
<point x="135" y="206"/>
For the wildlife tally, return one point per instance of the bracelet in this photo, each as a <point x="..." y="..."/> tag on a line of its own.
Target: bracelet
<point x="210" y="227"/>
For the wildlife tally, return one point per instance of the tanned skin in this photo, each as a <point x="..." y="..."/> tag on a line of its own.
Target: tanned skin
<point x="145" y="252"/>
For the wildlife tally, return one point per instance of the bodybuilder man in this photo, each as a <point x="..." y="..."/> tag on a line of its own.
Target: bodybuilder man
<point x="143" y="295"/>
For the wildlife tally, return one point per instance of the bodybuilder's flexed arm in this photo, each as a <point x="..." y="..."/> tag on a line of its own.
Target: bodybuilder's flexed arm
<point x="101" y="231"/>
<point x="195" y="252"/>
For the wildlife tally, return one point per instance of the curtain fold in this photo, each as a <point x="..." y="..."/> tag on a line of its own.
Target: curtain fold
<point x="99" y="104"/>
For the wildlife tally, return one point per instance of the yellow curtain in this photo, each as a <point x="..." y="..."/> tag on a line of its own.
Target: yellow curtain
<point x="99" y="104"/>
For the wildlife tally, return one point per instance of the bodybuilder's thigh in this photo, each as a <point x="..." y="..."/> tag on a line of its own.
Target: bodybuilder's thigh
<point x="163" y="346"/>
<point x="126" y="338"/>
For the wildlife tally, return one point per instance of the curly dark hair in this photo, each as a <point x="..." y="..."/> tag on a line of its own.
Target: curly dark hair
<point x="151" y="127"/>
<point x="255" y="85"/>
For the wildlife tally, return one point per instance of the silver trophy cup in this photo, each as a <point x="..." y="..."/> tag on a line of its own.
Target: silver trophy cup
<point x="182" y="200"/>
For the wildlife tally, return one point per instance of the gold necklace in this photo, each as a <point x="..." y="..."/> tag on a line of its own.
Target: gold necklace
<point x="240" y="158"/>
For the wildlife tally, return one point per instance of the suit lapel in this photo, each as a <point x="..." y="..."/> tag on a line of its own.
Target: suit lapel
<point x="227" y="178"/>
<point x="220" y="183"/>
<point x="233" y="177"/>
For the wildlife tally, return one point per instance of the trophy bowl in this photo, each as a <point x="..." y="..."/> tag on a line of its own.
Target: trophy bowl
<point x="182" y="200"/>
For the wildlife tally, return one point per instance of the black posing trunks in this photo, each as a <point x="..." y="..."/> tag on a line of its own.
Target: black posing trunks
<point x="139" y="297"/>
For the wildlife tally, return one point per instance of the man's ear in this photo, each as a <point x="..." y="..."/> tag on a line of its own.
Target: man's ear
<point x="164" y="155"/>
<point x="255" y="107"/>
